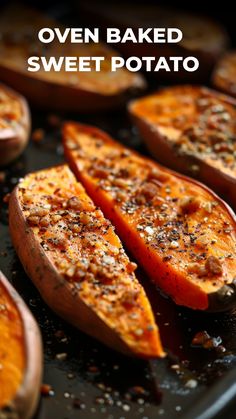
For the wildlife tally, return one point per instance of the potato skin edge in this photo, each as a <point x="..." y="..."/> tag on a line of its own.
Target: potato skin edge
<point x="26" y="399"/>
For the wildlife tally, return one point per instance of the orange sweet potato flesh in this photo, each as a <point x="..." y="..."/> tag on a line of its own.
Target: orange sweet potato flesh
<point x="83" y="91"/>
<point x="192" y="129"/>
<point x="224" y="74"/>
<point x="12" y="349"/>
<point x="73" y="256"/>
<point x="178" y="230"/>
<point x="20" y="355"/>
<point x="14" y="124"/>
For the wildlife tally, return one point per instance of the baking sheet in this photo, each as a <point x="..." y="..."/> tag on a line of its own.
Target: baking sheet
<point x="87" y="379"/>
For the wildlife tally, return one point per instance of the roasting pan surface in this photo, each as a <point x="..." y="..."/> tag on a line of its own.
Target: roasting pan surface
<point x="93" y="381"/>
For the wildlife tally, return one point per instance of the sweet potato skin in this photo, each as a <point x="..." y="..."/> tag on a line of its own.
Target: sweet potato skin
<point x="13" y="139"/>
<point x="190" y="164"/>
<point x="26" y="399"/>
<point x="84" y="91"/>
<point x="177" y="286"/>
<point x="60" y="294"/>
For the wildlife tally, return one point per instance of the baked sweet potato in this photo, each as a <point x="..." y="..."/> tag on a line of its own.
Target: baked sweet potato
<point x="15" y="124"/>
<point x="178" y="230"/>
<point x="78" y="264"/>
<point x="76" y="91"/>
<point x="20" y="356"/>
<point x="203" y="37"/>
<point x="192" y="130"/>
<point x="224" y="74"/>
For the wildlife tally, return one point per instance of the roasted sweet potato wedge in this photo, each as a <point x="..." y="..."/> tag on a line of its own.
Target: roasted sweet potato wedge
<point x="78" y="263"/>
<point x="15" y="124"/>
<point x="80" y="91"/>
<point x="224" y="74"/>
<point x="178" y="230"/>
<point x="20" y="356"/>
<point x="192" y="130"/>
<point x="203" y="38"/>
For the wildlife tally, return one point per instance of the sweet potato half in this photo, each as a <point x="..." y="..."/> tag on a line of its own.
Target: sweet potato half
<point x="203" y="38"/>
<point x="77" y="262"/>
<point x="192" y="130"/>
<point x="80" y="91"/>
<point x="178" y="230"/>
<point x="20" y="356"/>
<point x="15" y="124"/>
<point x="224" y="74"/>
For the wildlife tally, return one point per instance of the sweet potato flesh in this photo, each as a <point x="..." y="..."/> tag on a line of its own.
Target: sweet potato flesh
<point x="224" y="76"/>
<point x="195" y="121"/>
<point x="181" y="233"/>
<point x="83" y="247"/>
<point x="15" y="49"/>
<point x="10" y="110"/>
<point x="12" y="356"/>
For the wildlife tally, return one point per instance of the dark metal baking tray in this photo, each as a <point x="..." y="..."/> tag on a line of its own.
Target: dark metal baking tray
<point x="92" y="381"/>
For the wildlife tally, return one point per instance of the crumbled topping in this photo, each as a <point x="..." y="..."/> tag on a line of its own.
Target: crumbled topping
<point x="190" y="204"/>
<point x="213" y="266"/>
<point x="74" y="203"/>
<point x="212" y="134"/>
<point x="146" y="193"/>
